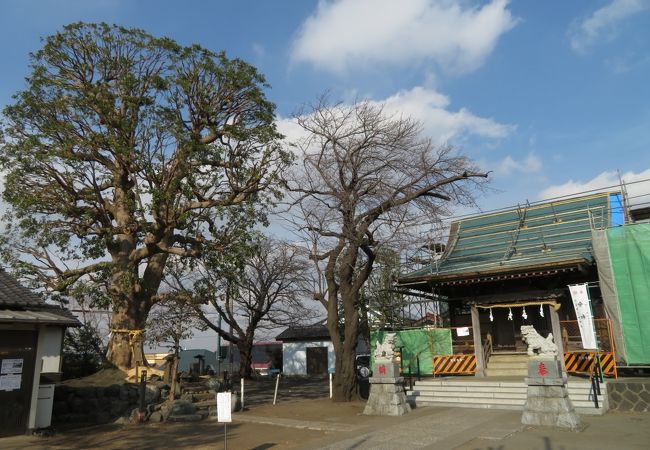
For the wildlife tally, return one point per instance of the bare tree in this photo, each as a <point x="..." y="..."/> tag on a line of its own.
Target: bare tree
<point x="382" y="308"/>
<point x="366" y="179"/>
<point x="172" y="320"/>
<point x="261" y="289"/>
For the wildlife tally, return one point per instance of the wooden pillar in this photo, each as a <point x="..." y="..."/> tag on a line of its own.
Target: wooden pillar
<point x="557" y="333"/>
<point x="478" y="346"/>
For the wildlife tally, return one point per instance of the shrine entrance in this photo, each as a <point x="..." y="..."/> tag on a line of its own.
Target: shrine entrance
<point x="506" y="322"/>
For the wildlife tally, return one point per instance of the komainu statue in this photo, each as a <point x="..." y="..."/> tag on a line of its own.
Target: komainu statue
<point x="537" y="345"/>
<point x="385" y="349"/>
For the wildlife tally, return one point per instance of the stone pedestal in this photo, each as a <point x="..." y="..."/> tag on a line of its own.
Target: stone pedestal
<point x="547" y="400"/>
<point x="387" y="396"/>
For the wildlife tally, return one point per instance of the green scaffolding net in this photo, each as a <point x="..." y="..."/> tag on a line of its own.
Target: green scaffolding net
<point x="417" y="345"/>
<point x="629" y="250"/>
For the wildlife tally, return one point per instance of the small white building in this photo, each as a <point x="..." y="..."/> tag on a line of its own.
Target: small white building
<point x="31" y="341"/>
<point x="306" y="350"/>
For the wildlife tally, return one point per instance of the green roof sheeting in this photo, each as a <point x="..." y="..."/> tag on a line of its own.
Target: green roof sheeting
<point x="538" y="235"/>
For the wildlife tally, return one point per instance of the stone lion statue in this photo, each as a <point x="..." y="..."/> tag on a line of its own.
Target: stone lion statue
<point x="384" y="350"/>
<point x="537" y="345"/>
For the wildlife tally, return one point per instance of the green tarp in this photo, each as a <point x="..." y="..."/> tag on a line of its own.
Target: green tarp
<point x="420" y="344"/>
<point x="629" y="251"/>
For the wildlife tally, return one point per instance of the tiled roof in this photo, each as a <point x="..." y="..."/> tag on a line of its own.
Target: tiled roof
<point x="19" y="304"/>
<point x="13" y="293"/>
<point x="55" y="316"/>
<point x="305" y="333"/>
<point x="549" y="234"/>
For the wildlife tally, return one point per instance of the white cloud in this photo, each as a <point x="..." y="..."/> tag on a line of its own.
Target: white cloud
<point x="604" y="20"/>
<point x="354" y="33"/>
<point x="637" y="188"/>
<point x="531" y="164"/>
<point x="290" y="129"/>
<point x="442" y="125"/>
<point x="432" y="109"/>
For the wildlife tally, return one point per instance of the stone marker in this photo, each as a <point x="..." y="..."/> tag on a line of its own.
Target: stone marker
<point x="547" y="400"/>
<point x="387" y="396"/>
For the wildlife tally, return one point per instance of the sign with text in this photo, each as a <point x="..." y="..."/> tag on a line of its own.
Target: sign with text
<point x="462" y="331"/>
<point x="224" y="407"/>
<point x="582" y="305"/>
<point x="11" y="366"/>
<point x="10" y="382"/>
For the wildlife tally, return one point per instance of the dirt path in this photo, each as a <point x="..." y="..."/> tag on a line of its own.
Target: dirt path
<point x="199" y="435"/>
<point x="246" y="431"/>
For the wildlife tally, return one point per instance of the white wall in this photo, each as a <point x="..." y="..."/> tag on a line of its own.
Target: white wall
<point x="52" y="340"/>
<point x="294" y="356"/>
<point x="48" y="359"/>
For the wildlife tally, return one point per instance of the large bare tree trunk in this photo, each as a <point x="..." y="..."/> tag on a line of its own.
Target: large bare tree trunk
<point x="125" y="347"/>
<point x="344" y="387"/>
<point x="245" y="348"/>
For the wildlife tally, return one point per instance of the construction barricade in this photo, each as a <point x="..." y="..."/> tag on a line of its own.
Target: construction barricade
<point x="578" y="360"/>
<point x="454" y="365"/>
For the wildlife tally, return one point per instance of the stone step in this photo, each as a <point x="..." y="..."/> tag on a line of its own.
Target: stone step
<point x="586" y="403"/>
<point x="477" y="389"/>
<point x="469" y="395"/>
<point x="473" y="383"/>
<point x="582" y="411"/>
<point x="509" y="358"/>
<point x="469" y="405"/>
<point x="582" y="407"/>
<point x="505" y="392"/>
<point x="507" y="365"/>
<point x="486" y="383"/>
<point x="506" y="372"/>
<point x="477" y="395"/>
<point x="462" y="400"/>
<point x="578" y="399"/>
<point x="483" y="384"/>
<point x="480" y="387"/>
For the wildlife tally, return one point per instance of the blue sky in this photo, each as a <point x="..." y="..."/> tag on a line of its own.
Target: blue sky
<point x="552" y="96"/>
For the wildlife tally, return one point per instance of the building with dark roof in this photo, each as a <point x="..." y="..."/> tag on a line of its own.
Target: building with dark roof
<point x="512" y="267"/>
<point x="312" y="332"/>
<point x="31" y="340"/>
<point x="306" y="350"/>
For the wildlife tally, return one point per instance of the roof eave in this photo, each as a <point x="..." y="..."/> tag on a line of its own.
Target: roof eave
<point x="436" y="278"/>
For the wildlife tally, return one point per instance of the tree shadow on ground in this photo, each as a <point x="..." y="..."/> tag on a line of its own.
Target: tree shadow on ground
<point x="547" y="444"/>
<point x="178" y="435"/>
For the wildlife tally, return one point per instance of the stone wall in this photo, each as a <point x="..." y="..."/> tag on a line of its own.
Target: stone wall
<point x="629" y="395"/>
<point x="90" y="405"/>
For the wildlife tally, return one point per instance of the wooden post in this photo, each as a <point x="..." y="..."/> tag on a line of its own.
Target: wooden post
<point x="557" y="334"/>
<point x="275" y="393"/>
<point x="242" y="392"/>
<point x="330" y="384"/>
<point x="478" y="346"/>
